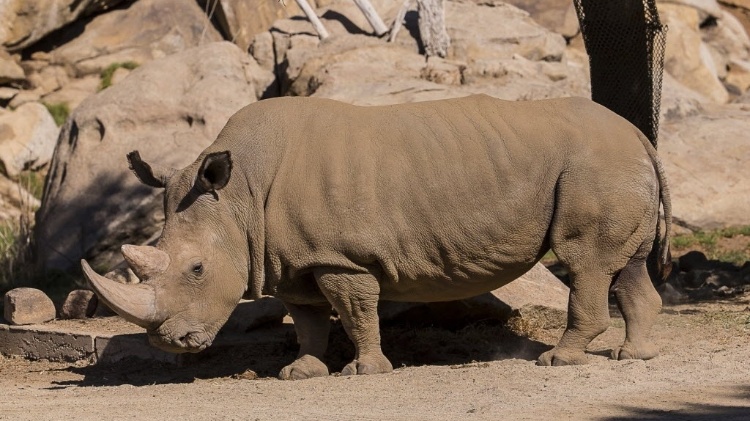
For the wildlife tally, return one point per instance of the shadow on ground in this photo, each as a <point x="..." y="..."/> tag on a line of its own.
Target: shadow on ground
<point x="404" y="346"/>
<point x="693" y="411"/>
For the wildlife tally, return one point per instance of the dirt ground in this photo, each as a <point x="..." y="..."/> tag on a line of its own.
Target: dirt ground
<point x="479" y="371"/>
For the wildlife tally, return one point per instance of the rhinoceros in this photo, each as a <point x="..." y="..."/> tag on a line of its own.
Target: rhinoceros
<point x="328" y="205"/>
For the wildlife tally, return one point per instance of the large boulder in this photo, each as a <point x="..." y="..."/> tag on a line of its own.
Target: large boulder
<point x="27" y="21"/>
<point x="705" y="154"/>
<point x="168" y="109"/>
<point x="687" y="58"/>
<point x="147" y="30"/>
<point x="27" y="138"/>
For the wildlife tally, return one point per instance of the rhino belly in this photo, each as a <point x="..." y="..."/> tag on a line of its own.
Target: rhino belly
<point x="454" y="282"/>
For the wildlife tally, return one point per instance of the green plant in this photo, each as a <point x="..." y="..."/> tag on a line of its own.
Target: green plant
<point x="107" y="73"/>
<point x="59" y="112"/>
<point x="15" y="253"/>
<point x="710" y="243"/>
<point x="33" y="182"/>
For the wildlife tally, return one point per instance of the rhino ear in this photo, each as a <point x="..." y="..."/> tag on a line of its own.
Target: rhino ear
<point x="214" y="172"/>
<point x="154" y="177"/>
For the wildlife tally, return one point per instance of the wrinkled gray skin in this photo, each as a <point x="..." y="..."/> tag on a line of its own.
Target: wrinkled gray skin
<point x="324" y="204"/>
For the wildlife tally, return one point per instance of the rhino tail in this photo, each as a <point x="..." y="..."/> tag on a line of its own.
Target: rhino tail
<point x="660" y="255"/>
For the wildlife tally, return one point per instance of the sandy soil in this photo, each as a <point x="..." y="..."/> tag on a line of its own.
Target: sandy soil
<point x="481" y="371"/>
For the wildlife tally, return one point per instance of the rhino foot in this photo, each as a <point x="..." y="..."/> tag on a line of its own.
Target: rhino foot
<point x="558" y="357"/>
<point x="629" y="351"/>
<point x="367" y="365"/>
<point x="304" y="367"/>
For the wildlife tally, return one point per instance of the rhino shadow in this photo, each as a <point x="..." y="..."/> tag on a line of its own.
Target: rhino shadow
<point x="405" y="346"/>
<point x="691" y="411"/>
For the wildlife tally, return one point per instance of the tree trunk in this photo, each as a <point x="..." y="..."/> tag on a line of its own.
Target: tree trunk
<point x="432" y="27"/>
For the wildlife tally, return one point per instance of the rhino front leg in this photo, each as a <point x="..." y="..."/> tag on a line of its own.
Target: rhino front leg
<point x="355" y="297"/>
<point x="312" y="325"/>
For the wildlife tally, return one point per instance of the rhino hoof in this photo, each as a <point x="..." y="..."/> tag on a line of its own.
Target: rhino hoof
<point x="555" y="357"/>
<point x="630" y="352"/>
<point x="305" y="367"/>
<point x="367" y="366"/>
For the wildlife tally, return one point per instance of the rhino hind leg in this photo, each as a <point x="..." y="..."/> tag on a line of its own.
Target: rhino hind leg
<point x="639" y="304"/>
<point x="312" y="325"/>
<point x="355" y="297"/>
<point x="588" y="317"/>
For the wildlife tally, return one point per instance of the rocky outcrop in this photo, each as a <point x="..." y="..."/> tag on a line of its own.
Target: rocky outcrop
<point x="27" y="21"/>
<point x="516" y="60"/>
<point x="27" y="138"/>
<point x="169" y="110"/>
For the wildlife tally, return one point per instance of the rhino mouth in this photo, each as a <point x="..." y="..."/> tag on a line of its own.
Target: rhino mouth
<point x="194" y="341"/>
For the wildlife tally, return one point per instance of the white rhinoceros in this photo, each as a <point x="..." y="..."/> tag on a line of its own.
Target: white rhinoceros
<point x="324" y="204"/>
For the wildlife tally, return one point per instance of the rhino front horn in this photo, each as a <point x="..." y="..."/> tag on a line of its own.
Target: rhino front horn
<point x="135" y="303"/>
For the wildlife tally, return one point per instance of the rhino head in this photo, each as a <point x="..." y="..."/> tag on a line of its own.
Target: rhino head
<point x="195" y="276"/>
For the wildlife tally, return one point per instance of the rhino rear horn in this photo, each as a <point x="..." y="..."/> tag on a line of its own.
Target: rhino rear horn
<point x="148" y="175"/>
<point x="145" y="261"/>
<point x="215" y="171"/>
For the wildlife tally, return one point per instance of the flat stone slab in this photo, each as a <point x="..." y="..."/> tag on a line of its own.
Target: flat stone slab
<point x="110" y="339"/>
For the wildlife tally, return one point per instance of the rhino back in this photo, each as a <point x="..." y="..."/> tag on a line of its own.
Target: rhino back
<point x="445" y="198"/>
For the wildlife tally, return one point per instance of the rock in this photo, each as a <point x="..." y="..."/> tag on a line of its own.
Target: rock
<point x="28" y="21"/>
<point x="705" y="8"/>
<point x="738" y="77"/>
<point x="79" y="304"/>
<point x="25" y="96"/>
<point x="743" y="4"/>
<point x="251" y="314"/>
<point x="10" y="71"/>
<point x="678" y="101"/>
<point x="75" y="92"/>
<point x="538" y="294"/>
<point x="730" y="48"/>
<point x="705" y="160"/>
<point x="687" y="58"/>
<point x="537" y="297"/>
<point x="692" y="260"/>
<point x="671" y="295"/>
<point x="27" y="138"/>
<point x="169" y="110"/>
<point x="241" y="20"/>
<point x="15" y="201"/>
<point x="6" y="94"/>
<point x="48" y="79"/>
<point x="476" y="36"/>
<point x="556" y="15"/>
<point x="25" y="306"/>
<point x="138" y="34"/>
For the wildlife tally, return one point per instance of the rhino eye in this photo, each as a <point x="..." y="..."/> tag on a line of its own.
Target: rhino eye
<point x="198" y="268"/>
